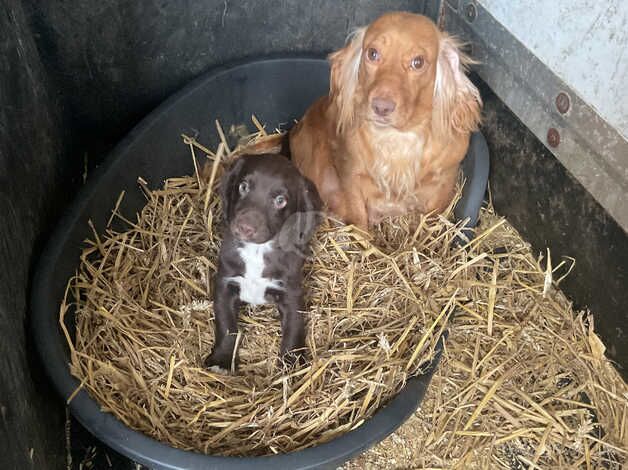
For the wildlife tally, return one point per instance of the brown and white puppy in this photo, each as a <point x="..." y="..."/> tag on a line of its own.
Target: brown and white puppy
<point x="270" y="212"/>
<point x="390" y="136"/>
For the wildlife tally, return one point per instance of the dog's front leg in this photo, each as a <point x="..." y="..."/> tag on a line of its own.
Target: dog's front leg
<point x="290" y="308"/>
<point x="358" y="194"/>
<point x="226" y="306"/>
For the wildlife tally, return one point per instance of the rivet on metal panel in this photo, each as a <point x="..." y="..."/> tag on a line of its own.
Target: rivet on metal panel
<point x="470" y="12"/>
<point x="563" y="102"/>
<point x="553" y="137"/>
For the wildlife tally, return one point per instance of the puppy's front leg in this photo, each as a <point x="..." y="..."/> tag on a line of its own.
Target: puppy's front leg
<point x="290" y="308"/>
<point x="226" y="305"/>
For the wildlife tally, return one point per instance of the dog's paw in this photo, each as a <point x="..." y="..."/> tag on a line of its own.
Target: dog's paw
<point x="218" y="363"/>
<point x="218" y="370"/>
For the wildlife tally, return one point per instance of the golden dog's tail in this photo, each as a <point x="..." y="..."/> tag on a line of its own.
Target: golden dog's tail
<point x="274" y="143"/>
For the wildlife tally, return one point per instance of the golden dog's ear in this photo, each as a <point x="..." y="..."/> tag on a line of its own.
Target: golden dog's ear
<point x="457" y="101"/>
<point x="343" y="82"/>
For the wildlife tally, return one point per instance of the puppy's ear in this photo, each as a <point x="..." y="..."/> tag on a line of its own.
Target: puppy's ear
<point x="229" y="187"/>
<point x="457" y="101"/>
<point x="309" y="199"/>
<point x="343" y="81"/>
<point x="299" y="228"/>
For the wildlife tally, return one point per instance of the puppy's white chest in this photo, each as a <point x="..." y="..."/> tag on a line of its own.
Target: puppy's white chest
<point x="252" y="284"/>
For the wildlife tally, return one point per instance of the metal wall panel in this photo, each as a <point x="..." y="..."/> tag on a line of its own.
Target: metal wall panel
<point x="583" y="42"/>
<point x="589" y="147"/>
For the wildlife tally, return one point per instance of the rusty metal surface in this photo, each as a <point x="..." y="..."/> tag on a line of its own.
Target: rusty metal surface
<point x="563" y="102"/>
<point x="553" y="137"/>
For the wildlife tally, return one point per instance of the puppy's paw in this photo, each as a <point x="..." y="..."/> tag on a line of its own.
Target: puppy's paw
<point x="218" y="370"/>
<point x="216" y="362"/>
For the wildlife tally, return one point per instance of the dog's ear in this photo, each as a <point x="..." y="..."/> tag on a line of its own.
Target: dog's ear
<point x="457" y="101"/>
<point x="309" y="207"/>
<point x="309" y="200"/>
<point x="298" y="230"/>
<point x="229" y="186"/>
<point x="343" y="81"/>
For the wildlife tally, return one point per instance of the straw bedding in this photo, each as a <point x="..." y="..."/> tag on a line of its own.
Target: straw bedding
<point x="523" y="379"/>
<point x="523" y="382"/>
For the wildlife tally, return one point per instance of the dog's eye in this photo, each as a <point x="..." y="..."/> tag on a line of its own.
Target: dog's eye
<point x="280" y="202"/>
<point x="372" y="54"/>
<point x="417" y="62"/>
<point x="243" y="188"/>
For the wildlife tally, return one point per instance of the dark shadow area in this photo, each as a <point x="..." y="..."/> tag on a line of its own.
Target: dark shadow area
<point x="35" y="182"/>
<point x="114" y="61"/>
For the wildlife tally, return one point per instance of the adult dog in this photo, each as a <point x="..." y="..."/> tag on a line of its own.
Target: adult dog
<point x="390" y="136"/>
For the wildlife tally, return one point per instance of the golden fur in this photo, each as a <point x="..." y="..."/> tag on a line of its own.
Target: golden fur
<point x="367" y="166"/>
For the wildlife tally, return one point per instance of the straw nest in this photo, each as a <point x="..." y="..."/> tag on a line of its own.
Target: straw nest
<point x="523" y="381"/>
<point x="142" y="299"/>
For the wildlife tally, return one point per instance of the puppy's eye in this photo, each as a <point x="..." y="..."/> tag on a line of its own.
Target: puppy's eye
<point x="417" y="63"/>
<point x="280" y="202"/>
<point x="372" y="54"/>
<point x="243" y="188"/>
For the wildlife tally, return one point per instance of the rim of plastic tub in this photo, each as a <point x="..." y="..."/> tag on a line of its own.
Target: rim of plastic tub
<point x="155" y="454"/>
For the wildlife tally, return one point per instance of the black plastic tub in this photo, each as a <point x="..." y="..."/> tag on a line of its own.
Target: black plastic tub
<point x="277" y="91"/>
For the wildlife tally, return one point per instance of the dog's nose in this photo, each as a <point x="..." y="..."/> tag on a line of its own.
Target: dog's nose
<point x="383" y="106"/>
<point x="245" y="230"/>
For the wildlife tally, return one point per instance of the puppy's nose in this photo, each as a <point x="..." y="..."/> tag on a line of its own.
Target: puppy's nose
<point x="383" y="106"/>
<point x="245" y="230"/>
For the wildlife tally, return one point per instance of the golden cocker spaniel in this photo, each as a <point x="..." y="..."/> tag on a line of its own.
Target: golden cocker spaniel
<point x="390" y="136"/>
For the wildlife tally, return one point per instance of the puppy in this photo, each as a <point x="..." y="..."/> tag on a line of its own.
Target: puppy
<point x="390" y="136"/>
<point x="270" y="212"/>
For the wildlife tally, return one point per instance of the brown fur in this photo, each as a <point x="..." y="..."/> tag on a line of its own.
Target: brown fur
<point x="366" y="166"/>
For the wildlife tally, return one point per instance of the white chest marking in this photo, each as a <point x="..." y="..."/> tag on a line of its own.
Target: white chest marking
<point x="252" y="285"/>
